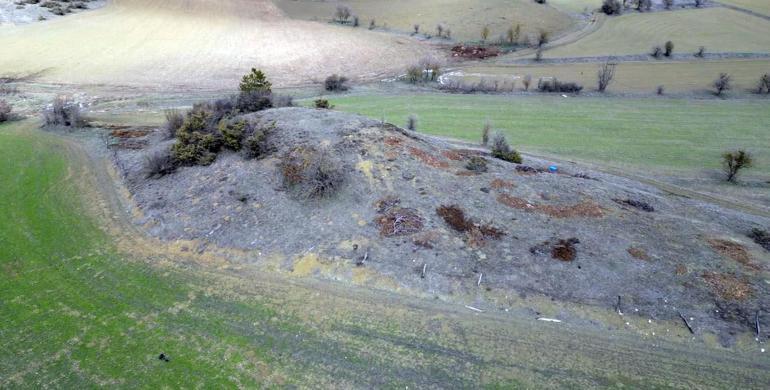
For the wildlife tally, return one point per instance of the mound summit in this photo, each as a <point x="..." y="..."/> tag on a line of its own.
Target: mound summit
<point x="423" y="214"/>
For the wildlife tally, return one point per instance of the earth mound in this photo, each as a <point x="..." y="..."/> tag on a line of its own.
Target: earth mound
<point x="427" y="215"/>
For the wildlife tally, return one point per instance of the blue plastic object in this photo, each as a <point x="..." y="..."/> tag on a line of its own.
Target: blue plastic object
<point x="553" y="169"/>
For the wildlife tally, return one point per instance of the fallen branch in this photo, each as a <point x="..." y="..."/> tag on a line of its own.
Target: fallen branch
<point x="686" y="323"/>
<point x="548" y="319"/>
<point x="478" y="284"/>
<point x="474" y="309"/>
<point x="424" y="268"/>
<point x="360" y="263"/>
<point x="756" y="322"/>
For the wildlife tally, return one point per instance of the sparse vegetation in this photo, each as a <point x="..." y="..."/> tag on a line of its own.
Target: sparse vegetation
<point x="476" y="164"/>
<point x="669" y="49"/>
<point x="701" y="52"/>
<point x="411" y="122"/>
<point x="503" y="151"/>
<point x="554" y="85"/>
<point x="485" y="132"/>
<point x="513" y="34"/>
<point x="323" y="104"/>
<point x="5" y="111"/>
<point x="761" y="237"/>
<point x="763" y="85"/>
<point x="526" y="81"/>
<point x="484" y="33"/>
<point x="734" y="162"/>
<point x="657" y="52"/>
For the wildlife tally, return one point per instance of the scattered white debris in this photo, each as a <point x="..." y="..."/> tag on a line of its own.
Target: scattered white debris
<point x="548" y="319"/>
<point x="762" y="350"/>
<point x="474" y="309"/>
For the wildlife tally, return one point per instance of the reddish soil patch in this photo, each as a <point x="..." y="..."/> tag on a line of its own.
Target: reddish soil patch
<point x="681" y="269"/>
<point x="734" y="251"/>
<point x="728" y="286"/>
<point x="499" y="184"/>
<point x="584" y="209"/>
<point x="453" y="155"/>
<point x="124" y="134"/>
<point x="638" y="253"/>
<point x="427" y="158"/>
<point x="393" y="141"/>
<point x="474" y="52"/>
<point x="466" y="173"/>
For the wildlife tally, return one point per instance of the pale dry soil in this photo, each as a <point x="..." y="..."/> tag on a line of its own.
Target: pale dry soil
<point x="197" y="44"/>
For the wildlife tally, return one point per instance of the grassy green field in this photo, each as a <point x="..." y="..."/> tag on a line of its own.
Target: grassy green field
<point x="636" y="77"/>
<point x="667" y="134"/>
<point x="759" y="6"/>
<point x="718" y="29"/>
<point x="465" y="18"/>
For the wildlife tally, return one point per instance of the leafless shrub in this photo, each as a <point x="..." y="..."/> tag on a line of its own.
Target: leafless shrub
<point x="159" y="163"/>
<point x="722" y="83"/>
<point x="526" y="81"/>
<point x="174" y="121"/>
<point x="667" y="4"/>
<point x="476" y="164"/>
<point x="411" y="122"/>
<point x="64" y="111"/>
<point x="342" y="14"/>
<point x="539" y="55"/>
<point x="660" y="90"/>
<point x="657" y="52"/>
<point x="312" y="173"/>
<point x="605" y="75"/>
<point x="701" y="52"/>
<point x="336" y="83"/>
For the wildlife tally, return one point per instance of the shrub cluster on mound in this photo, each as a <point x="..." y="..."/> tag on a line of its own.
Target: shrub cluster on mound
<point x="210" y="128"/>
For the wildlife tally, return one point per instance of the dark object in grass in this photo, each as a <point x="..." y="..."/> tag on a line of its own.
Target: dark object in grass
<point x="637" y="204"/>
<point x="761" y="237"/>
<point x="163" y="357"/>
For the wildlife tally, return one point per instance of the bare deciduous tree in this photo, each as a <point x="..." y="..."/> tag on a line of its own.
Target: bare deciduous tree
<point x="485" y="33"/>
<point x="605" y="75"/>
